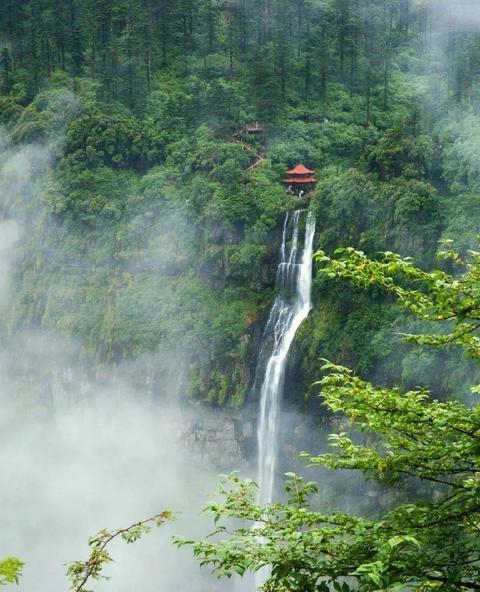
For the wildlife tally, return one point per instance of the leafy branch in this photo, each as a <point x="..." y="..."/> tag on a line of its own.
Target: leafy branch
<point x="80" y="572"/>
<point x="10" y="570"/>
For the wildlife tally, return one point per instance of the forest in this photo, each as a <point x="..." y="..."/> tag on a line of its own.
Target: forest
<point x="150" y="237"/>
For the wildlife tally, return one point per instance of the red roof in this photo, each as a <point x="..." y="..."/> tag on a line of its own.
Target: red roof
<point x="300" y="180"/>
<point x="300" y="170"/>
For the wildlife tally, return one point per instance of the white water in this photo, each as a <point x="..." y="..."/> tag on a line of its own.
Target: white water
<point x="290" y="309"/>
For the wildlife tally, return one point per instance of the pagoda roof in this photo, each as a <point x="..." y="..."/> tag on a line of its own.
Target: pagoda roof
<point x="300" y="169"/>
<point x="292" y="180"/>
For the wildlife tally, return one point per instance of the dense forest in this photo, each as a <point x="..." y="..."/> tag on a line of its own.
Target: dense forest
<point x="138" y="103"/>
<point x="154" y="228"/>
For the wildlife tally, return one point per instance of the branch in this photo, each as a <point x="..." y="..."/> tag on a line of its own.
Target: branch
<point x="80" y="572"/>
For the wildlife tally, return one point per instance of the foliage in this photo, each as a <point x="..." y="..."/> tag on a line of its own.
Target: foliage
<point x="45" y="116"/>
<point x="117" y="140"/>
<point x="150" y="211"/>
<point x="427" y="449"/>
<point x="399" y="153"/>
<point x="81" y="572"/>
<point x="10" y="570"/>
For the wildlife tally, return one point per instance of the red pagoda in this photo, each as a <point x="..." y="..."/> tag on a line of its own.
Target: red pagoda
<point x="300" y="180"/>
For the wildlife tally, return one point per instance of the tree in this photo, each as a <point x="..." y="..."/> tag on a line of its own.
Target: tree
<point x="428" y="449"/>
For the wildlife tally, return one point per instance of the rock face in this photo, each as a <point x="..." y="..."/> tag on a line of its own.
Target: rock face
<point x="226" y="439"/>
<point x="220" y="439"/>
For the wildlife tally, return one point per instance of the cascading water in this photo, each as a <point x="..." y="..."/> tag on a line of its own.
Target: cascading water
<point x="291" y="307"/>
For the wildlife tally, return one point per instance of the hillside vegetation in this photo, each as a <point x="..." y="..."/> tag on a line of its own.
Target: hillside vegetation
<point x="150" y="236"/>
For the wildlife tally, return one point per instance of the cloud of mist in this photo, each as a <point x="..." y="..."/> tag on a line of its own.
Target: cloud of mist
<point x="76" y="457"/>
<point x="458" y="13"/>
<point x="105" y="463"/>
<point x="446" y="19"/>
<point x="9" y="234"/>
<point x="20" y="176"/>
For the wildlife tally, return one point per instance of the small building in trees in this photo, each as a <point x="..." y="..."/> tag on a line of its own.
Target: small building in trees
<point x="300" y="180"/>
<point x="250" y="131"/>
<point x="254" y="129"/>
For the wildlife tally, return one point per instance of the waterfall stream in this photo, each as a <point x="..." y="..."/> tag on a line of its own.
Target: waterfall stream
<point x="291" y="307"/>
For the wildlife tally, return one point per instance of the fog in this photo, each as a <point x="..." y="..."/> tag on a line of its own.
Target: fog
<point x="105" y="463"/>
<point x="446" y="19"/>
<point x="455" y="12"/>
<point x="9" y="234"/>
<point x="77" y="456"/>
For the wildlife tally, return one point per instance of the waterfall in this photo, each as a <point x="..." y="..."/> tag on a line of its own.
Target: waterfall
<point x="291" y="307"/>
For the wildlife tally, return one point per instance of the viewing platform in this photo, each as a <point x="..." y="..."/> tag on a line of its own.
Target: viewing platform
<point x="300" y="180"/>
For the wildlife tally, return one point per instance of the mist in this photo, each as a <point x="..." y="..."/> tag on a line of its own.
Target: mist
<point x="448" y="18"/>
<point x="465" y="13"/>
<point x="78" y="455"/>
<point x="107" y="463"/>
